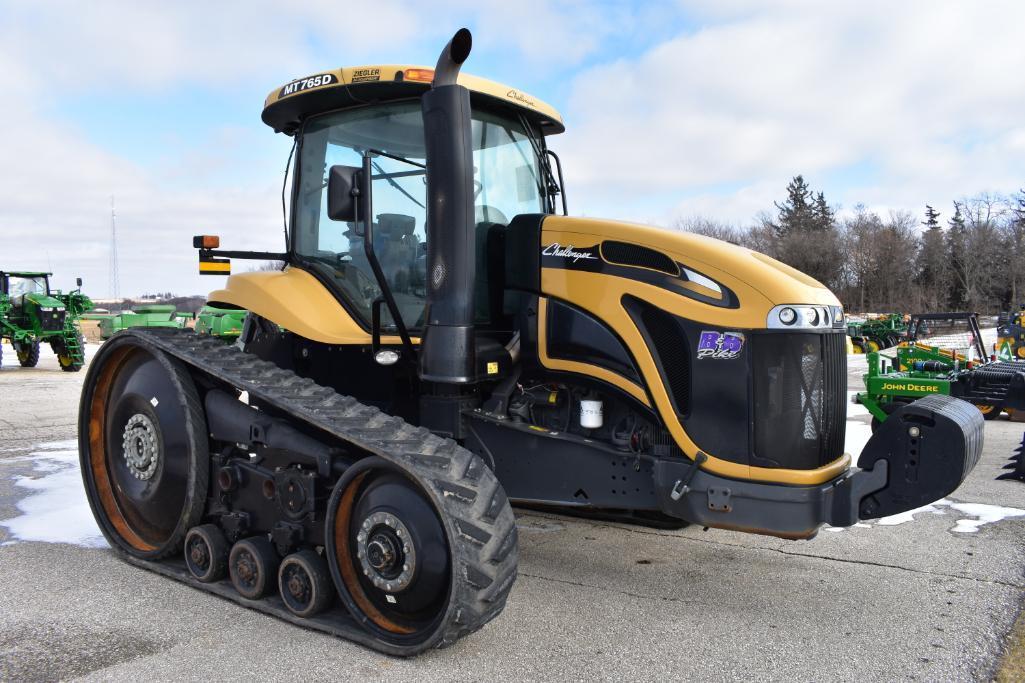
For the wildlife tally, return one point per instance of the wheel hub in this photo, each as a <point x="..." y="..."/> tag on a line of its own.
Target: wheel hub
<point x="139" y="444"/>
<point x="386" y="552"/>
<point x="198" y="553"/>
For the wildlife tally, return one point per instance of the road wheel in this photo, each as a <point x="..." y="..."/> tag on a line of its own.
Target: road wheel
<point x="253" y="566"/>
<point x="143" y="449"/>
<point x="206" y="553"/>
<point x="69" y="359"/>
<point x="989" y="412"/>
<point x="1020" y="352"/>
<point x="858" y="348"/>
<point x="871" y="345"/>
<point x="28" y="353"/>
<point x="304" y="582"/>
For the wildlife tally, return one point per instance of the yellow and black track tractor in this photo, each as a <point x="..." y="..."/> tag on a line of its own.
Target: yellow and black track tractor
<point x="443" y="340"/>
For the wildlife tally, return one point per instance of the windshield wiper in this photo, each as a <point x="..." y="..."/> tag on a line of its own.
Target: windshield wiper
<point x="552" y="188"/>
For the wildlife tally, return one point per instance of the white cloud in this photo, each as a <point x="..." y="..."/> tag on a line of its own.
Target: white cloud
<point x="918" y="98"/>
<point x="922" y="92"/>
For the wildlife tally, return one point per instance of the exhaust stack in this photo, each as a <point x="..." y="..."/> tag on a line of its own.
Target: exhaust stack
<point x="447" y="350"/>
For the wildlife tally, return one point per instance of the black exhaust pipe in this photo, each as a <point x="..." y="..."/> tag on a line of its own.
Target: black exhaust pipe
<point x="447" y="352"/>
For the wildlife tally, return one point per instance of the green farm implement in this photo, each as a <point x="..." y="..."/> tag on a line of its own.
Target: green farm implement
<point x="220" y="322"/>
<point x="880" y="332"/>
<point x="943" y="355"/>
<point x="31" y="313"/>
<point x="150" y="315"/>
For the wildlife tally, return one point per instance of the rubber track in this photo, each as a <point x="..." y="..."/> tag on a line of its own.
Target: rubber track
<point x="480" y="522"/>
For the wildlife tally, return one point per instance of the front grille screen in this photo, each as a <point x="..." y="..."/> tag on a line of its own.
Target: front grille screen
<point x="800" y="389"/>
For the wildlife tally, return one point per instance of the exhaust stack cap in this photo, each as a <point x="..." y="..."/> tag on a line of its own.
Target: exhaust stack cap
<point x="452" y="58"/>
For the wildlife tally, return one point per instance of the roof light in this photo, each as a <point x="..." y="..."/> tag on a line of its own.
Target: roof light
<point x="422" y="75"/>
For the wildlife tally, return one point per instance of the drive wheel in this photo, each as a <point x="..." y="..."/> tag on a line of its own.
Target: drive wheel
<point x="143" y="449"/>
<point x="1020" y="352"/>
<point x="417" y="569"/>
<point x="857" y="347"/>
<point x="304" y="583"/>
<point x="28" y="353"/>
<point x="253" y="566"/>
<point x="206" y="553"/>
<point x="989" y="411"/>
<point x="871" y="345"/>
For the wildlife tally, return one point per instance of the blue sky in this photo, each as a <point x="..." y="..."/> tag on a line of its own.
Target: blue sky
<point x="673" y="109"/>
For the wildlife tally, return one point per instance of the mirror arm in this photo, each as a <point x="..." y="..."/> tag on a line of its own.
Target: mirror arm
<point x="364" y="202"/>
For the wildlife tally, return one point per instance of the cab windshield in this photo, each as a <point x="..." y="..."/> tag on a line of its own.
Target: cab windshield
<point x="507" y="182"/>
<point x="18" y="285"/>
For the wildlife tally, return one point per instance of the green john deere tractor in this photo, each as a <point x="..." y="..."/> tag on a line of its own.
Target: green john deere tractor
<point x="31" y="313"/>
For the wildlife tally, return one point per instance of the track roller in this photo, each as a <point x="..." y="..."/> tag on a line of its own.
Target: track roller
<point x="304" y="583"/>
<point x="253" y="566"/>
<point x="206" y="553"/>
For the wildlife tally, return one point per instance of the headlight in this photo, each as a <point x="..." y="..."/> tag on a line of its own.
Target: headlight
<point x="44" y="309"/>
<point x="805" y="317"/>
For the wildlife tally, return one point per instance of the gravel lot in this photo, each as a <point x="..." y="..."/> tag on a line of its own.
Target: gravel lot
<point x="919" y="600"/>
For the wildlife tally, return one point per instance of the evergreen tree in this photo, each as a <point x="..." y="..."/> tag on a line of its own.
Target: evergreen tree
<point x="956" y="245"/>
<point x="796" y="214"/>
<point x="934" y="273"/>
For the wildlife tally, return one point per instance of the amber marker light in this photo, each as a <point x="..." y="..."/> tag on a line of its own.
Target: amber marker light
<point x="421" y="75"/>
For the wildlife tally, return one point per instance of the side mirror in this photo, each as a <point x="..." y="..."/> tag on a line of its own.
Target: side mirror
<point x="341" y="202"/>
<point x="78" y="282"/>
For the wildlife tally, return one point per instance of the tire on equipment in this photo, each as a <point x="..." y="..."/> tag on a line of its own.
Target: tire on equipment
<point x="143" y="449"/>
<point x="304" y="582"/>
<point x="253" y="567"/>
<point x="206" y="553"/>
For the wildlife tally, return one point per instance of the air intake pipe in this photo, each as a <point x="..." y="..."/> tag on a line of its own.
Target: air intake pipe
<point x="447" y="350"/>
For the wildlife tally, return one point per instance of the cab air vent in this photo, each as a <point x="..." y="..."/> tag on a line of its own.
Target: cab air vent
<point x="625" y="254"/>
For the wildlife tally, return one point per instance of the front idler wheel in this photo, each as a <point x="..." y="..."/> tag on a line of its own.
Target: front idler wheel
<point x="143" y="449"/>
<point x="390" y="554"/>
<point x="304" y="583"/>
<point x="253" y="566"/>
<point x="206" y="553"/>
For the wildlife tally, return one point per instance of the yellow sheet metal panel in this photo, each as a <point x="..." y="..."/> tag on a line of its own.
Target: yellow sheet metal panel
<point x="758" y="283"/>
<point x="296" y="301"/>
<point x="378" y="73"/>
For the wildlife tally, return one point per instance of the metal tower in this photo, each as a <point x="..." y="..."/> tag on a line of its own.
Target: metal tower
<point x="115" y="287"/>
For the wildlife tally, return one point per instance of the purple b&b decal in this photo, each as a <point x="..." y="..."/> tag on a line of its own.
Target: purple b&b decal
<point x="720" y="345"/>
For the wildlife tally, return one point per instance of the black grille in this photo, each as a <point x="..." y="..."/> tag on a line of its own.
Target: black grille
<point x="626" y="254"/>
<point x="800" y="388"/>
<point x="51" y="321"/>
<point x="671" y="353"/>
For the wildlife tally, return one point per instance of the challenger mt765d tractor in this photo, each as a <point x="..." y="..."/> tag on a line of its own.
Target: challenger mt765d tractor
<point x="442" y="342"/>
<point x="30" y="313"/>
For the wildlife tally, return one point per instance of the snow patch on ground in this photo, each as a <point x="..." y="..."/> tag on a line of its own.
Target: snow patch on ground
<point x="979" y="514"/>
<point x="56" y="509"/>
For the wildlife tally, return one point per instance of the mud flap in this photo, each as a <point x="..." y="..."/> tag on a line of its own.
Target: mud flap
<point x="929" y="446"/>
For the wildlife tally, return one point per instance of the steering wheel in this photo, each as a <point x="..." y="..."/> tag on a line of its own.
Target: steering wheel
<point x="488" y="214"/>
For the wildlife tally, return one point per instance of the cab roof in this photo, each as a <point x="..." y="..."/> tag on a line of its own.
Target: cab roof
<point x="25" y="273"/>
<point x="286" y="108"/>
